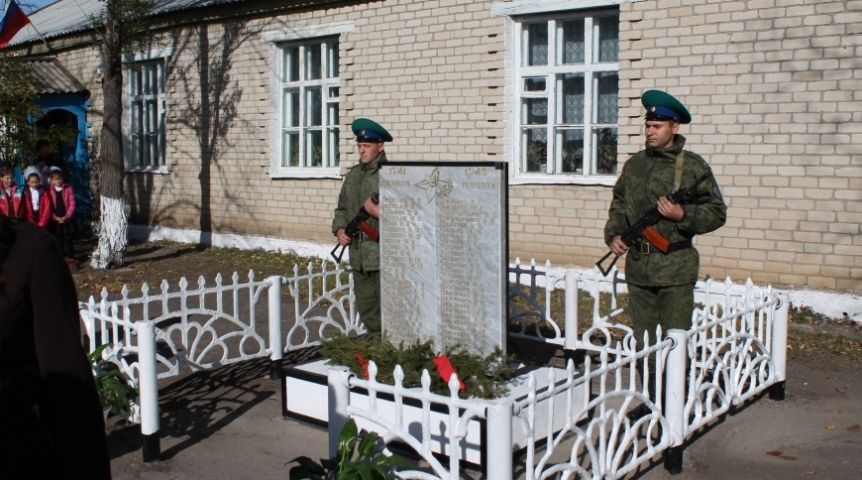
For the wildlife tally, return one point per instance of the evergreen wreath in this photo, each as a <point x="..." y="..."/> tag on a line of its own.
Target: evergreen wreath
<point x="483" y="377"/>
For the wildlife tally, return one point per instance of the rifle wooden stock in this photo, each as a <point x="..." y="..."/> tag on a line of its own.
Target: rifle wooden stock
<point x="658" y="240"/>
<point x="368" y="230"/>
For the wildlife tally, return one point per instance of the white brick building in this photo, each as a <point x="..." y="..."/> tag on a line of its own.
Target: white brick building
<point x="552" y="87"/>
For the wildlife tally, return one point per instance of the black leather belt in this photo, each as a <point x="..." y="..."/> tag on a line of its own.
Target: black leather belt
<point x="677" y="246"/>
<point x="647" y="248"/>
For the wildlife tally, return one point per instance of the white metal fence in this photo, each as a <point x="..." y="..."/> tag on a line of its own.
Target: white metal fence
<point x="595" y="419"/>
<point x="157" y="334"/>
<point x="598" y="419"/>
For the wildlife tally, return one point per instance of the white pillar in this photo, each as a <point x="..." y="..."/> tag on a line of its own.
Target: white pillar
<point x="339" y="399"/>
<point x="674" y="404"/>
<point x="276" y="346"/>
<point x="148" y="389"/>
<point x="498" y="451"/>
<point x="779" y="339"/>
<point x="778" y="349"/>
<point x="675" y="387"/>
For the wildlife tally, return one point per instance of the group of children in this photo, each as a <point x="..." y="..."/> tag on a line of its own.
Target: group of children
<point x="47" y="201"/>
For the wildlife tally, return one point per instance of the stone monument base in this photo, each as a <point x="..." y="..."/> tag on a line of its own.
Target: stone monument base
<point x="304" y="396"/>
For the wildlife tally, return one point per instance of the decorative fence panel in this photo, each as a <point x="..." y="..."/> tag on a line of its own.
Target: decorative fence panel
<point x="737" y="350"/>
<point x="601" y="419"/>
<point x="195" y="328"/>
<point x="158" y="334"/>
<point x="601" y="436"/>
<point x="322" y="305"/>
<point x="597" y="419"/>
<point x="395" y="421"/>
<point x="547" y="304"/>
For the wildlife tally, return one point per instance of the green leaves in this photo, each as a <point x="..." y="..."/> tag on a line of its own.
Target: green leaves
<point x="359" y="457"/>
<point x="20" y="112"/>
<point x="115" y="394"/>
<point x="485" y="377"/>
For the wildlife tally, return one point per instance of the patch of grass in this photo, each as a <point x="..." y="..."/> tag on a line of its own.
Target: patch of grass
<point x="152" y="262"/>
<point x="802" y="343"/>
<point x="812" y="332"/>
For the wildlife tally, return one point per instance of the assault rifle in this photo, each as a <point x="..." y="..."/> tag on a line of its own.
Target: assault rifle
<point x="358" y="225"/>
<point x="644" y="228"/>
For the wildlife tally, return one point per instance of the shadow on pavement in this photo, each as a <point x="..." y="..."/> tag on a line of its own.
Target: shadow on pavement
<point x="198" y="405"/>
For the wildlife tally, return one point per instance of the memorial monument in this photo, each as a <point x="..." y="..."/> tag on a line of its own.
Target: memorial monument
<point x="444" y="254"/>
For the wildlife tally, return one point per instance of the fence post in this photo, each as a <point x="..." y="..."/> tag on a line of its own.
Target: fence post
<point x="498" y="451"/>
<point x="674" y="404"/>
<point x="339" y="399"/>
<point x="276" y="347"/>
<point x="148" y="390"/>
<point x="89" y="321"/>
<point x="571" y="320"/>
<point x="778" y="349"/>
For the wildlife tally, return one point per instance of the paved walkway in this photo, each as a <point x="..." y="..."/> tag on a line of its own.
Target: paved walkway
<point x="227" y="424"/>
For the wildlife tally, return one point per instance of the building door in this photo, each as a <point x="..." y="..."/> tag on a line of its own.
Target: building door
<point x="73" y="151"/>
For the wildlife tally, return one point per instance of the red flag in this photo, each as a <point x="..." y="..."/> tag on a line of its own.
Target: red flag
<point x="13" y="20"/>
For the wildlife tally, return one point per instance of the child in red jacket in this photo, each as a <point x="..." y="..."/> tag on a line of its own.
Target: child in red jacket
<point x="35" y="203"/>
<point x="10" y="197"/>
<point x="62" y="211"/>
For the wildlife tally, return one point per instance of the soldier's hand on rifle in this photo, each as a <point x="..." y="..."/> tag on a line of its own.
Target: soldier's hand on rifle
<point x="371" y="207"/>
<point x="618" y="246"/>
<point x="670" y="210"/>
<point x="343" y="238"/>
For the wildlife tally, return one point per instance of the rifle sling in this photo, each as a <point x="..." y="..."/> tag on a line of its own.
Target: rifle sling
<point x="677" y="174"/>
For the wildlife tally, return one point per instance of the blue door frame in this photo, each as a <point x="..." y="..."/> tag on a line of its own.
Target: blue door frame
<point x="75" y="154"/>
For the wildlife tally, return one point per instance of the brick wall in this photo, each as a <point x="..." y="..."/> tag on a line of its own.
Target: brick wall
<point x="432" y="73"/>
<point x="773" y="87"/>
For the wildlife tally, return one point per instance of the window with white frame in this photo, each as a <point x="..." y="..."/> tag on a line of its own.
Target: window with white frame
<point x="145" y="127"/>
<point x="567" y="88"/>
<point x="309" y="104"/>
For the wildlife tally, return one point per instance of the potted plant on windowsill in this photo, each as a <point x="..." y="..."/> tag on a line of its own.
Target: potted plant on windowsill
<point x="115" y="393"/>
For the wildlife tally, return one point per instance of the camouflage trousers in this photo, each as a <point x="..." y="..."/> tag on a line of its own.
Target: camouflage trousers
<point x="650" y="307"/>
<point x="669" y="307"/>
<point x="366" y="287"/>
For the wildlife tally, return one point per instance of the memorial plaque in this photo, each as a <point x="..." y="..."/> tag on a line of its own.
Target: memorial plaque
<point x="443" y="254"/>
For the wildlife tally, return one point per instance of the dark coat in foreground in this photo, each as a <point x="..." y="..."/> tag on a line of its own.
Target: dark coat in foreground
<point x="51" y="421"/>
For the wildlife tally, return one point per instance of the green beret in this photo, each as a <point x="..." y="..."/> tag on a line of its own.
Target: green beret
<point x="367" y="130"/>
<point x="663" y="106"/>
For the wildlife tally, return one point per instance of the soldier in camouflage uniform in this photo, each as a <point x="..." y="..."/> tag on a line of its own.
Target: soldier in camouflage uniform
<point x="661" y="286"/>
<point x="359" y="186"/>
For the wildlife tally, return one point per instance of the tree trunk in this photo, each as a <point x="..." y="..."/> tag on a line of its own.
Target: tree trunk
<point x="113" y="226"/>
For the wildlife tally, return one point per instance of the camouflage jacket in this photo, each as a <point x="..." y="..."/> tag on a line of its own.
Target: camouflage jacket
<point x="360" y="183"/>
<point x="646" y="176"/>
